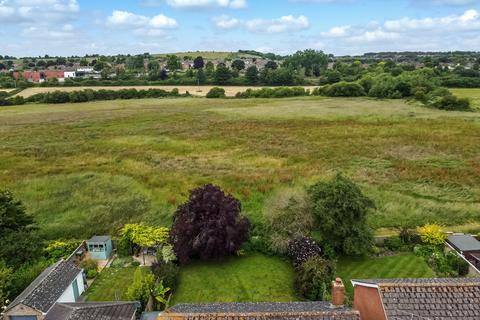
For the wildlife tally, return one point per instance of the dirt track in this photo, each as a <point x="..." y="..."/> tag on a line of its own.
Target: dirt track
<point x="200" y="91"/>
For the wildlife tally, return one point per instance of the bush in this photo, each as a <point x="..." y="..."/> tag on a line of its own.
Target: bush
<point x="409" y="236"/>
<point x="208" y="225"/>
<point x="122" y="262"/>
<point x="59" y="249"/>
<point x="89" y="264"/>
<point x="341" y="89"/>
<point x="99" y="95"/>
<point x="141" y="287"/>
<point x="341" y="211"/>
<point x="300" y="250"/>
<point x="394" y="244"/>
<point x="451" y="103"/>
<point x="432" y="234"/>
<point x="216" y="93"/>
<point x="287" y="216"/>
<point x="445" y="264"/>
<point x="283" y="92"/>
<point x="166" y="271"/>
<point x="136" y="263"/>
<point x="91" y="274"/>
<point x="313" y="278"/>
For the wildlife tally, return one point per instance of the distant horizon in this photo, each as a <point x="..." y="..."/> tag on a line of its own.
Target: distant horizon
<point x="238" y="52"/>
<point x="341" y="27"/>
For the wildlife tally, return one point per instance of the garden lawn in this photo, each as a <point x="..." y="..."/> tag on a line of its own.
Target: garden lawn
<point x="405" y="265"/>
<point x="251" y="278"/>
<point x="112" y="284"/>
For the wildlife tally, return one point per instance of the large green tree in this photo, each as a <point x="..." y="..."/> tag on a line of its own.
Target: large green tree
<point x="341" y="210"/>
<point x="222" y="74"/>
<point x="18" y="237"/>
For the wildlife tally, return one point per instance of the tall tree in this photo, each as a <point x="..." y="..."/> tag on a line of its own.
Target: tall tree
<point x="251" y="75"/>
<point x="173" y="63"/>
<point x="342" y="211"/>
<point x="238" y="65"/>
<point x="198" y="63"/>
<point x="208" y="225"/>
<point x="222" y="74"/>
<point x="12" y="214"/>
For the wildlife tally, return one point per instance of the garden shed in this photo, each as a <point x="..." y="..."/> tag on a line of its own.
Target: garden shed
<point x="467" y="245"/>
<point x="100" y="247"/>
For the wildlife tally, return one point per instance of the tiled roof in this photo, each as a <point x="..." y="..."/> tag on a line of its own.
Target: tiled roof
<point x="429" y="299"/>
<point x="99" y="239"/>
<point x="320" y="310"/>
<point x="464" y="242"/>
<point x="93" y="311"/>
<point x="47" y="288"/>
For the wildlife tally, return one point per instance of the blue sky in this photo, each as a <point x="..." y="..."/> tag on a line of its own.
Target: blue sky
<point x="77" y="27"/>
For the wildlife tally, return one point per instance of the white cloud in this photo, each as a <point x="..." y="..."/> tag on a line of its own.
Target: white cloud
<point x="226" y="22"/>
<point x="38" y="11"/>
<point x="452" y="32"/>
<point x="278" y="25"/>
<point x="151" y="25"/>
<point x="196" y="4"/>
<point x="283" y="24"/>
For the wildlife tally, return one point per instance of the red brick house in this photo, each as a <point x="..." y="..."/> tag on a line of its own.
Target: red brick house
<point x="422" y="299"/>
<point x="39" y="76"/>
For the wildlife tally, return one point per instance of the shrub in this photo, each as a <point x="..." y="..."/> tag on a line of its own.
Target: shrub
<point x="91" y="274"/>
<point x="287" y="216"/>
<point x="432" y="234"/>
<point x="59" y="249"/>
<point x="136" y="263"/>
<point x="394" y="243"/>
<point x="450" y="103"/>
<point x="342" y="89"/>
<point x="141" y="287"/>
<point x="166" y="271"/>
<point x="216" y="93"/>
<point x="89" y="264"/>
<point x="300" y="250"/>
<point x="313" y="278"/>
<point x="284" y="92"/>
<point x="208" y="225"/>
<point x="409" y="236"/>
<point x="122" y="262"/>
<point x="342" y="211"/>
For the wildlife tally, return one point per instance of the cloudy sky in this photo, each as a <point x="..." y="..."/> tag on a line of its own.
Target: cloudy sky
<point x="78" y="27"/>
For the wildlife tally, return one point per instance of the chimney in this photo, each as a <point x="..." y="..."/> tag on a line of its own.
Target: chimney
<point x="338" y="293"/>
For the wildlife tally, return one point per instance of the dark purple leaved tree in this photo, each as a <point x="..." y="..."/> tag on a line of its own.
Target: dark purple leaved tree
<point x="208" y="225"/>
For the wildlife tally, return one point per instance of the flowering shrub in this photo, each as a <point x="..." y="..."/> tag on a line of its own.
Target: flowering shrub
<point x="300" y="250"/>
<point x="432" y="234"/>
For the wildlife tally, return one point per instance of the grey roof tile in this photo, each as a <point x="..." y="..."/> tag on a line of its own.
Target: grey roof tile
<point x="319" y="310"/>
<point x="93" y="311"/>
<point x="430" y="299"/>
<point x="48" y="287"/>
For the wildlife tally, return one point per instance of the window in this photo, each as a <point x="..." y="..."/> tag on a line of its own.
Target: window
<point x="23" y="317"/>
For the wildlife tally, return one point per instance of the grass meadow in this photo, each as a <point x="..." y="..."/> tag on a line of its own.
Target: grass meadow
<point x="84" y="169"/>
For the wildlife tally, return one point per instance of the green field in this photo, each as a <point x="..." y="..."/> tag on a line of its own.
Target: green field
<point x="399" y="266"/>
<point x="253" y="278"/>
<point x="84" y="169"/>
<point x="112" y="284"/>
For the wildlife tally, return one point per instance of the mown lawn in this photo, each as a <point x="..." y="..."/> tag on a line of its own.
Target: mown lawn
<point x="405" y="265"/>
<point x="251" y="278"/>
<point x="112" y="284"/>
<point x="85" y="169"/>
